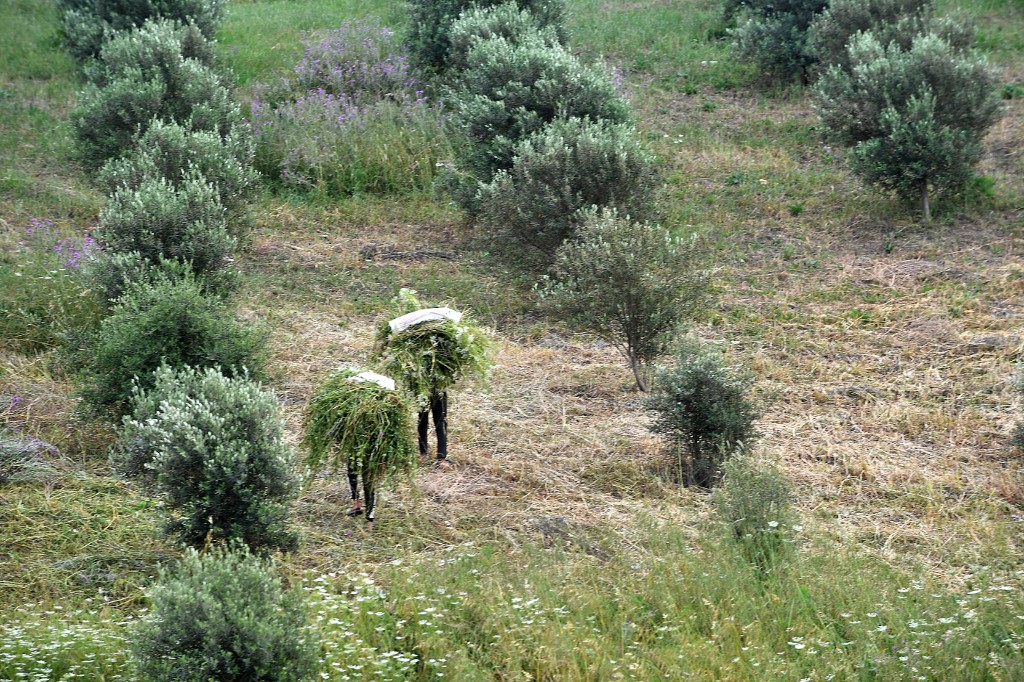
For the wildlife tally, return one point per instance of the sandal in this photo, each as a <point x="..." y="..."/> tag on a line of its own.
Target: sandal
<point x="355" y="511"/>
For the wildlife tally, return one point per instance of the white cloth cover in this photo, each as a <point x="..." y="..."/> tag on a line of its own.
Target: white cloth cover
<point x="374" y="378"/>
<point x="426" y="315"/>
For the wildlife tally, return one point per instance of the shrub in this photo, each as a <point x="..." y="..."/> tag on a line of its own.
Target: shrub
<point x="530" y="210"/>
<point x="631" y="283"/>
<point x="701" y="406"/>
<point x="224" y="615"/>
<point x="512" y="90"/>
<point x="429" y="35"/>
<point x="213" y="448"/>
<point x="158" y="220"/>
<point x="361" y="60"/>
<point x="87" y="24"/>
<point x="915" y="119"/>
<point x="164" y="321"/>
<point x="111" y="274"/>
<point x="754" y="501"/>
<point x="173" y="153"/>
<point x="335" y="146"/>
<point x="153" y="48"/>
<point x="507" y="21"/>
<point x="42" y="292"/>
<point x="890" y="21"/>
<point x="773" y="34"/>
<point x="107" y="120"/>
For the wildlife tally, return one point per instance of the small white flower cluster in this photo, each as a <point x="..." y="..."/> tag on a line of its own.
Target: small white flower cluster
<point x="49" y="646"/>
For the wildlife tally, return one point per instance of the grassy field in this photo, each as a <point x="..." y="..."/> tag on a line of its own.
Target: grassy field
<point x="559" y="546"/>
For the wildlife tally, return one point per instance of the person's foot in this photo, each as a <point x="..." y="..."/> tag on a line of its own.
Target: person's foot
<point x="357" y="508"/>
<point x="443" y="463"/>
<point x="369" y="526"/>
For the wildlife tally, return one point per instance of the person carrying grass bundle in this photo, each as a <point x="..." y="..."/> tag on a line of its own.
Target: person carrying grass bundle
<point x="360" y="418"/>
<point x="431" y="349"/>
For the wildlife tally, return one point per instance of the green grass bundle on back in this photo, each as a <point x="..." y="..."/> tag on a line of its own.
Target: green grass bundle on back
<point x="431" y="357"/>
<point x="360" y="424"/>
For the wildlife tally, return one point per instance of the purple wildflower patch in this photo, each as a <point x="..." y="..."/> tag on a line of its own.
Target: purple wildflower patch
<point x="351" y="118"/>
<point x="361" y="59"/>
<point x="67" y="251"/>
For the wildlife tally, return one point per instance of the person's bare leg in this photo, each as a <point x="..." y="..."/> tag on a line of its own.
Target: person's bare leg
<point x="357" y="504"/>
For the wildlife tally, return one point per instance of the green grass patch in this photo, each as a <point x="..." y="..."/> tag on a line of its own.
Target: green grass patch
<point x="672" y="610"/>
<point x="676" y="46"/>
<point x="79" y="541"/>
<point x="261" y="38"/>
<point x="37" y="88"/>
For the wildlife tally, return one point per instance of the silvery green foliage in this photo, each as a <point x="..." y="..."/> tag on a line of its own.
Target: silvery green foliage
<point x="507" y="20"/>
<point x="110" y="275"/>
<point x="513" y="89"/>
<point x="773" y="34"/>
<point x="160" y="220"/>
<point x="531" y="209"/>
<point x="224" y="615"/>
<point x="429" y="37"/>
<point x="701" y="407"/>
<point x="754" y="500"/>
<point x="88" y="24"/>
<point x="109" y="117"/>
<point x="212" y="447"/>
<point x="914" y="119"/>
<point x="631" y="283"/>
<point x="164" y="320"/>
<point x="889" y="21"/>
<point x="172" y="152"/>
<point x="152" y="48"/>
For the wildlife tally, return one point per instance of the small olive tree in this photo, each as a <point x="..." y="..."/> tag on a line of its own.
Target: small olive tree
<point x="212" y="447"/>
<point x="773" y="34"/>
<point x="701" y="407"/>
<point x="530" y="210"/>
<point x="889" y="21"/>
<point x="633" y="284"/>
<point x="514" y="89"/>
<point x="166" y="319"/>
<point x="157" y="219"/>
<point x="429" y="37"/>
<point x="914" y="119"/>
<point x="224" y="615"/>
<point x="88" y="24"/>
<point x="156" y="72"/>
<point x="508" y="21"/>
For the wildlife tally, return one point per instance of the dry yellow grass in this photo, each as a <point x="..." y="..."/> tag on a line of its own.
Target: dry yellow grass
<point x="885" y="376"/>
<point x="884" y="352"/>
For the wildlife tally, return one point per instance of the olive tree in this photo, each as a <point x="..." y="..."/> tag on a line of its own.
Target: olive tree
<point x="631" y="283"/>
<point x="914" y="119"/>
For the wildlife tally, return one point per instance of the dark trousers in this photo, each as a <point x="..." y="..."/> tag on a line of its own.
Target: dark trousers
<point x="439" y="409"/>
<point x="368" y="492"/>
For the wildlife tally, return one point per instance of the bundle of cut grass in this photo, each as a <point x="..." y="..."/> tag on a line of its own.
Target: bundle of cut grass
<point x="430" y="355"/>
<point x="356" y="420"/>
